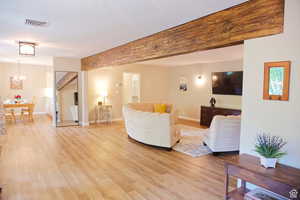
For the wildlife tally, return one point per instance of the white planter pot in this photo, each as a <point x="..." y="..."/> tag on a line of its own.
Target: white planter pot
<point x="268" y="162"/>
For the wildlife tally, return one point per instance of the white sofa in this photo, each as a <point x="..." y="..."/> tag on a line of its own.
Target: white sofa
<point x="148" y="127"/>
<point x="224" y="134"/>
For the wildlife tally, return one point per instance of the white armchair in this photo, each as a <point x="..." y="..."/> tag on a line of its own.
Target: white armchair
<point x="224" y="134"/>
<point x="156" y="129"/>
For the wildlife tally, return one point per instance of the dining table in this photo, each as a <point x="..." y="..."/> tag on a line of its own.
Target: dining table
<point x="18" y="105"/>
<point x="28" y="106"/>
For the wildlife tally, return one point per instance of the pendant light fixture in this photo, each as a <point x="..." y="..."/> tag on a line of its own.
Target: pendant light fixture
<point x="19" y="76"/>
<point x="27" y="48"/>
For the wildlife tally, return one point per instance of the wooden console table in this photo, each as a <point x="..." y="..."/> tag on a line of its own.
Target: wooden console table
<point x="282" y="180"/>
<point x="207" y="113"/>
<point x="104" y="113"/>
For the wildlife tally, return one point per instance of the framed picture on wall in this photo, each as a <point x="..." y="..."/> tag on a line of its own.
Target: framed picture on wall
<point x="277" y="80"/>
<point x="16" y="84"/>
<point x="182" y="84"/>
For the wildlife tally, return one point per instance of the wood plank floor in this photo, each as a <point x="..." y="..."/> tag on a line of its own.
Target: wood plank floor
<point x="191" y="123"/>
<point x="41" y="162"/>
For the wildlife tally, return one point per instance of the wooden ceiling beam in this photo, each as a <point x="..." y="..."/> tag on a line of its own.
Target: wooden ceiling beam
<point x="252" y="19"/>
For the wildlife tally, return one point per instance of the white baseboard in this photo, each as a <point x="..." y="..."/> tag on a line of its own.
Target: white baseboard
<point x="102" y="121"/>
<point x="84" y="123"/>
<point x="189" y="118"/>
<point x="34" y="113"/>
<point x="40" y="113"/>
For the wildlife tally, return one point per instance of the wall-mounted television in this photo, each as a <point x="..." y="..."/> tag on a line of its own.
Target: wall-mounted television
<point x="227" y="83"/>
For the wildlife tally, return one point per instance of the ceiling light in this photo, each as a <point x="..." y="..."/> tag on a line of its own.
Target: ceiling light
<point x="27" y="48"/>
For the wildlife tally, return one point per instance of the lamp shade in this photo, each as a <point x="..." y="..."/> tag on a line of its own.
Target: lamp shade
<point x="103" y="93"/>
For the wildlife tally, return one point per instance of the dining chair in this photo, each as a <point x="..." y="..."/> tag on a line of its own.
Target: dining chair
<point x="2" y="119"/>
<point x="29" y="110"/>
<point x="10" y="115"/>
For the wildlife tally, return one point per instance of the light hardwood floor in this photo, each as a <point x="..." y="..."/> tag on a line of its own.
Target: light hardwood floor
<point x="41" y="162"/>
<point x="191" y="123"/>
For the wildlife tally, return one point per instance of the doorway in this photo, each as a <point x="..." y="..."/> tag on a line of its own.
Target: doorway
<point x="131" y="88"/>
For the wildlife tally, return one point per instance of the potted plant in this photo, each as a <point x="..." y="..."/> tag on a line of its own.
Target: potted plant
<point x="269" y="148"/>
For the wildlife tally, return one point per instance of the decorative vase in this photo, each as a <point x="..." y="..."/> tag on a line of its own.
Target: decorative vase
<point x="268" y="162"/>
<point x="212" y="102"/>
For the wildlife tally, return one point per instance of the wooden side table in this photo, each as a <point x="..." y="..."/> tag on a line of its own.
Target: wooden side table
<point x="282" y="180"/>
<point x="207" y="113"/>
<point x="104" y="113"/>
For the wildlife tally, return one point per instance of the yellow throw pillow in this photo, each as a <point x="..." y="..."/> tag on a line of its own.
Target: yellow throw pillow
<point x="160" y="108"/>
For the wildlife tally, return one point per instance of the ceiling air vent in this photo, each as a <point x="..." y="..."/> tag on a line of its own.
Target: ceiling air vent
<point x="32" y="22"/>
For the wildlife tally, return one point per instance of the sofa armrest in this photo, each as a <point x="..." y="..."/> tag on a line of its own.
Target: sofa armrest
<point x="174" y="117"/>
<point x="175" y="134"/>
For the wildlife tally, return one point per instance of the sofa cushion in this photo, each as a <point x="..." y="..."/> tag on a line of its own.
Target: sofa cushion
<point x="148" y="107"/>
<point x="150" y="128"/>
<point x="160" y="108"/>
<point x="234" y="116"/>
<point x="144" y="107"/>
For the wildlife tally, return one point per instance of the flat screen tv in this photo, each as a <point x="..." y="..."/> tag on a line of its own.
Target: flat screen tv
<point x="227" y="83"/>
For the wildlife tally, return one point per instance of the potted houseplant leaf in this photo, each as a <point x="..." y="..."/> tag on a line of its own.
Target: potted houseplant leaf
<point x="269" y="148"/>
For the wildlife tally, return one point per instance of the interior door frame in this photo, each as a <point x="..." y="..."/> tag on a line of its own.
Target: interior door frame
<point x="132" y="73"/>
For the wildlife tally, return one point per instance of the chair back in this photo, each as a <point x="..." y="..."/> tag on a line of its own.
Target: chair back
<point x="225" y="127"/>
<point x="2" y="117"/>
<point x="2" y="110"/>
<point x="32" y="106"/>
<point x="34" y="100"/>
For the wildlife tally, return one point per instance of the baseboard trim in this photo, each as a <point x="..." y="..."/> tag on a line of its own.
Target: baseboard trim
<point x="50" y="116"/>
<point x="34" y="113"/>
<point x="84" y="123"/>
<point x="102" y="121"/>
<point x="189" y="118"/>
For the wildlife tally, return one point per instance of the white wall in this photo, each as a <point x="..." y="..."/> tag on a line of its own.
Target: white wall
<point x="49" y="91"/>
<point x="188" y="103"/>
<point x="275" y="117"/>
<point x="153" y="80"/>
<point x="160" y="84"/>
<point x="74" y="65"/>
<point x="34" y="85"/>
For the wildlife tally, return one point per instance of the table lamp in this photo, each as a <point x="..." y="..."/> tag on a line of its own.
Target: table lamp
<point x="103" y="94"/>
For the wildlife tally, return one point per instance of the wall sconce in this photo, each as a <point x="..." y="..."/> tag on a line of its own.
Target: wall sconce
<point x="27" y="48"/>
<point x="199" y="80"/>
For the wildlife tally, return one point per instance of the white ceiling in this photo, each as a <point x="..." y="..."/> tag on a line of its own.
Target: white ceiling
<point x="80" y="28"/>
<point x="209" y="56"/>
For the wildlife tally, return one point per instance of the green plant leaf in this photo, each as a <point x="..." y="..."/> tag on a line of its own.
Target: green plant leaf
<point x="269" y="146"/>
